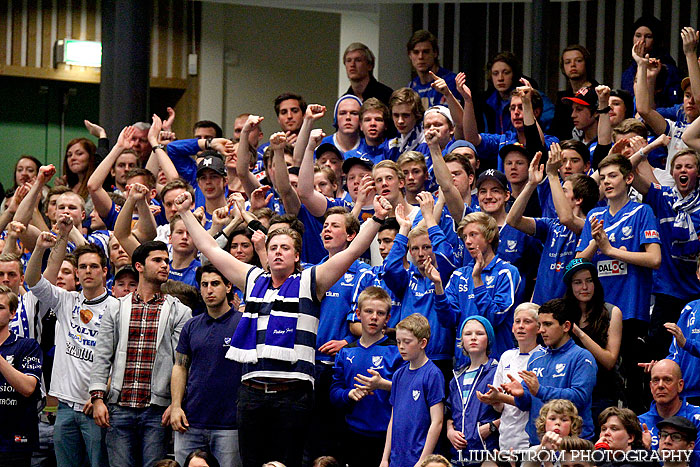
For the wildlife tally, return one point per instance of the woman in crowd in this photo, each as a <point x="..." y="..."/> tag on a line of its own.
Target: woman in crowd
<point x="599" y="329"/>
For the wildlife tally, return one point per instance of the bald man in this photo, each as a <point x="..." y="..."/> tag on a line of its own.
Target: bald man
<point x="666" y="387"/>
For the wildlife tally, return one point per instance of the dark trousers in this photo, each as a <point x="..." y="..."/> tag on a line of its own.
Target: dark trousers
<point x="273" y="426"/>
<point x="327" y="421"/>
<point x="634" y="350"/>
<point x="667" y="309"/>
<point x="361" y="450"/>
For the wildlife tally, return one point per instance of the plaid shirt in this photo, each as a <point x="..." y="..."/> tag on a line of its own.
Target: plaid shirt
<point x="140" y="351"/>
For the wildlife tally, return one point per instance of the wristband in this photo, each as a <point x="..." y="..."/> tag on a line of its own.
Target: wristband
<point x="207" y="144"/>
<point x="604" y="110"/>
<point x="642" y="154"/>
<point x="159" y="146"/>
<point x="492" y="427"/>
<point x="378" y="220"/>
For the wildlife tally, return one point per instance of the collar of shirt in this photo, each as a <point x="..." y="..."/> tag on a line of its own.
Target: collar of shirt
<point x="136" y="298"/>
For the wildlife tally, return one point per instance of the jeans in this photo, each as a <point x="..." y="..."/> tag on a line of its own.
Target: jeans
<point x="223" y="444"/>
<point x="77" y="439"/>
<point x="273" y="426"/>
<point x="135" y="437"/>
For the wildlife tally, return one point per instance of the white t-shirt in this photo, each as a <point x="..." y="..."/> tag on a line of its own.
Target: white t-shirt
<point x="512" y="433"/>
<point x="77" y="327"/>
<point x="675" y="131"/>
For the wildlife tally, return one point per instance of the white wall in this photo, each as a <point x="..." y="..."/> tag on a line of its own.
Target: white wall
<point x="211" y="63"/>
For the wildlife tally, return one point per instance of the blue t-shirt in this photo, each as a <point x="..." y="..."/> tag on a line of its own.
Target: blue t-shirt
<point x="687" y="356"/>
<point x="186" y="275"/>
<point x="413" y="393"/>
<point x="374" y="153"/>
<point x="335" y="305"/>
<point x="491" y="145"/>
<point x="679" y="245"/>
<point x="520" y="250"/>
<point x="429" y="96"/>
<point x="375" y="277"/>
<point x="111" y="218"/>
<point x="213" y="380"/>
<point x="627" y="286"/>
<point x="19" y="431"/>
<point x="370" y="416"/>
<point x="559" y="247"/>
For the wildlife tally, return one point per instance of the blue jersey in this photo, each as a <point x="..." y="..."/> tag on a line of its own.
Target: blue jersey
<point x="491" y="144"/>
<point x="19" y="432"/>
<point x="559" y="247"/>
<point x="334" y="308"/>
<point x="544" y="194"/>
<point x="374" y="276"/>
<point x="627" y="286"/>
<point x="687" y="356"/>
<point x="520" y="250"/>
<point x="187" y="274"/>
<point x="689" y="411"/>
<point x="417" y="293"/>
<point x="181" y="152"/>
<point x="312" y="250"/>
<point x="467" y="412"/>
<point x="679" y="242"/>
<point x="374" y="153"/>
<point x="212" y="380"/>
<point x="413" y="393"/>
<point x="494" y="300"/>
<point x="568" y="372"/>
<point x="370" y="416"/>
<point x="429" y="96"/>
<point x="330" y="139"/>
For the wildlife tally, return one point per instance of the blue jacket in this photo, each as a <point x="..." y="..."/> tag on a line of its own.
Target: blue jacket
<point x="687" y="356"/>
<point x="417" y="293"/>
<point x="689" y="411"/>
<point x="494" y="300"/>
<point x="468" y="413"/>
<point x="568" y="372"/>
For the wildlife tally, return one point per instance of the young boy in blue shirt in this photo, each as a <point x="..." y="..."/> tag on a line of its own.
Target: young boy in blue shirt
<point x="417" y="394"/>
<point x="362" y="380"/>
<point x="623" y="241"/>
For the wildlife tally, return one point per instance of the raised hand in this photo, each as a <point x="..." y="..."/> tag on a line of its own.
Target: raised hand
<point x="259" y="197"/>
<point x="138" y="191"/>
<point x="20" y="193"/>
<point x="15" y="229"/>
<point x="427" y="204"/>
<point x="402" y="218"/>
<point x="382" y="207"/>
<point x="46" y="172"/>
<point x="431" y="137"/>
<point x="677" y="333"/>
<point x="126" y="140"/>
<point x="154" y="131"/>
<point x="431" y="271"/>
<point x="183" y="202"/>
<point x="690" y="39"/>
<point x="638" y="53"/>
<point x="223" y="146"/>
<point x="600" y="236"/>
<point x="535" y="173"/>
<point x="316" y="137"/>
<point x="252" y="122"/>
<point x="168" y="123"/>
<point x="45" y="240"/>
<point x="366" y="190"/>
<point x="95" y="130"/>
<point x="64" y="225"/>
<point x="462" y="88"/>
<point x="439" y="84"/>
<point x="278" y="140"/>
<point x="603" y="93"/>
<point x="530" y="378"/>
<point x="315" y="111"/>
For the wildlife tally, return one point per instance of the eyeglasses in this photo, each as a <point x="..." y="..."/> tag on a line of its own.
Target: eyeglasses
<point x="674" y="436"/>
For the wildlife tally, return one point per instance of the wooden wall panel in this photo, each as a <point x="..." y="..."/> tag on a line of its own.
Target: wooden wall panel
<point x="16" y="32"/>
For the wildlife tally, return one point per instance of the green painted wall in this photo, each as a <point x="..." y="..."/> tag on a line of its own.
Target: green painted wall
<point x="30" y="119"/>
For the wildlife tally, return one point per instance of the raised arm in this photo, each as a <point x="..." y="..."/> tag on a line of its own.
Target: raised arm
<point x="314" y="201"/>
<point x="64" y="227"/>
<point x="248" y="180"/>
<point x="525" y="92"/>
<point x="440" y="85"/>
<point x="641" y="92"/>
<point x="31" y="200"/>
<point x="453" y="198"/>
<point x="234" y="270"/>
<point x="312" y="114"/>
<point x="281" y="182"/>
<point x="99" y="196"/>
<point x="643" y="171"/>
<point x="471" y="132"/>
<point x="328" y="273"/>
<point x="690" y="39"/>
<point x="122" y="227"/>
<point x="516" y="216"/>
<point x="561" y="203"/>
<point x="604" y="127"/>
<point x="691" y="135"/>
<point x="161" y="159"/>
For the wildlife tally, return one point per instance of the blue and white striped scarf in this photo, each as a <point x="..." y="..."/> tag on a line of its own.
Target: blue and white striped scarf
<point x="684" y="239"/>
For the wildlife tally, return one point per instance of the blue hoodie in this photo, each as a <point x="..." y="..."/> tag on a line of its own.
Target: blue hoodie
<point x="417" y="292"/>
<point x="495" y="300"/>
<point x="687" y="356"/>
<point x="568" y="372"/>
<point x="467" y="413"/>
